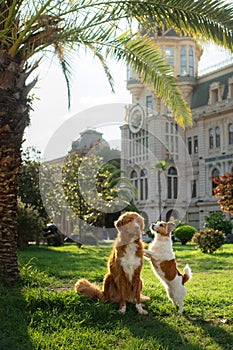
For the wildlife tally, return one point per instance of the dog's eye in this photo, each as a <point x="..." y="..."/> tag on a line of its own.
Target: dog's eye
<point x="161" y="225"/>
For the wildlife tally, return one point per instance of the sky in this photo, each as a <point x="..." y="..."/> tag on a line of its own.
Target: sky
<point x="53" y="127"/>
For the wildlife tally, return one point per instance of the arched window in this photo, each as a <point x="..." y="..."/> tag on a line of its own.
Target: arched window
<point x="215" y="174"/>
<point x="191" y="61"/>
<point x="134" y="180"/>
<point x="183" y="70"/>
<point x="143" y="185"/>
<point x="217" y="136"/>
<point x="230" y="133"/>
<point x="172" y="183"/>
<point x="211" y="138"/>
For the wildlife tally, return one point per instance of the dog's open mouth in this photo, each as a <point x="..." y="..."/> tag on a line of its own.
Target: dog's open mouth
<point x="153" y="227"/>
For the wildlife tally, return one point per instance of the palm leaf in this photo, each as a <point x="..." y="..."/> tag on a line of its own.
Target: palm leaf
<point x="31" y="27"/>
<point x="146" y="60"/>
<point x="209" y="20"/>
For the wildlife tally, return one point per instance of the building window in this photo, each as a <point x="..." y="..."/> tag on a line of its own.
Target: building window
<point x="183" y="70"/>
<point x="191" y="61"/>
<point x="230" y="88"/>
<point x="216" y="90"/>
<point x="190" y="145"/>
<point x="215" y="174"/>
<point x="149" y="104"/>
<point x="172" y="183"/>
<point x="134" y="180"/>
<point x="171" y="137"/>
<point x="169" y="56"/>
<point x="217" y="136"/>
<point x="195" y="144"/>
<point x="138" y="145"/>
<point x="211" y="138"/>
<point x="143" y="185"/>
<point x="230" y="134"/>
<point x="194" y="188"/>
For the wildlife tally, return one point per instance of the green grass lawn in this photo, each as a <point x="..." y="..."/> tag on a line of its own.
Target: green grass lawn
<point x="44" y="312"/>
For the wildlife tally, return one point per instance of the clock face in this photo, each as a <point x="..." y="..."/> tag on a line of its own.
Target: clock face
<point x="136" y="118"/>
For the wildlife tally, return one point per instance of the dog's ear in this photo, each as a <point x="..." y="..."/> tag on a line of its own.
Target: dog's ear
<point x="142" y="223"/>
<point x="170" y="226"/>
<point x="118" y="223"/>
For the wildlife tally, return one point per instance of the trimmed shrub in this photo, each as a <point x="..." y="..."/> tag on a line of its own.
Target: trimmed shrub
<point x="209" y="240"/>
<point x="184" y="233"/>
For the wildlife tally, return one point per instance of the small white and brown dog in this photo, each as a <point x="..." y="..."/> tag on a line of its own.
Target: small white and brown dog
<point x="162" y="259"/>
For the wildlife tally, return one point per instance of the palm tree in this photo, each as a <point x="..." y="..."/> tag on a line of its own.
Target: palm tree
<point x="30" y="28"/>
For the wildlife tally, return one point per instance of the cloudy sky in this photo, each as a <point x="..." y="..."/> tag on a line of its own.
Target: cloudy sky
<point x="90" y="88"/>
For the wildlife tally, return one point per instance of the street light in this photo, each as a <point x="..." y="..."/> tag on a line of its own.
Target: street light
<point x="160" y="167"/>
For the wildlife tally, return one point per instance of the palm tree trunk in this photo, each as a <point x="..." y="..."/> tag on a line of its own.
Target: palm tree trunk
<point x="14" y="117"/>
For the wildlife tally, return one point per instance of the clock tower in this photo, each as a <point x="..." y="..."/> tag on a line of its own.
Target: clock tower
<point x="151" y="137"/>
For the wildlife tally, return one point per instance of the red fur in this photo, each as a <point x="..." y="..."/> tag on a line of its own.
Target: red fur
<point x="122" y="283"/>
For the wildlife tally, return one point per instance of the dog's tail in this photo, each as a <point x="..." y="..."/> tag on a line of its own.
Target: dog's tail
<point x="187" y="274"/>
<point x="88" y="289"/>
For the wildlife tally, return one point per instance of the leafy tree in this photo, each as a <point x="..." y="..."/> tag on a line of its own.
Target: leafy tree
<point x="28" y="180"/>
<point x="30" y="224"/>
<point x="218" y="221"/>
<point x="29" y="29"/>
<point x="224" y="191"/>
<point x="93" y="191"/>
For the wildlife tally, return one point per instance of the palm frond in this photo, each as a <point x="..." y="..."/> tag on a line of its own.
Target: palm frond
<point x="146" y="60"/>
<point x="209" y="20"/>
<point x="29" y="27"/>
<point x="97" y="53"/>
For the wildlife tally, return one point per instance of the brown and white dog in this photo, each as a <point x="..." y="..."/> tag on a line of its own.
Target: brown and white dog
<point x="122" y="282"/>
<point x="163" y="263"/>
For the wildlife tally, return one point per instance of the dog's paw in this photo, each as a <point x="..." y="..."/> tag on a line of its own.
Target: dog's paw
<point x="122" y="310"/>
<point x="140" y="309"/>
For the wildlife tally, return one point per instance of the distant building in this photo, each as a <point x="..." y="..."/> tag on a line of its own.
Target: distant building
<point x="194" y="156"/>
<point x="89" y="140"/>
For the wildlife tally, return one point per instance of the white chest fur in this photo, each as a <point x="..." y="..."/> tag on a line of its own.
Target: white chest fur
<point x="162" y="249"/>
<point x="129" y="261"/>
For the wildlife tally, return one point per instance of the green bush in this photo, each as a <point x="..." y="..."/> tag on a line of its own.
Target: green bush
<point x="184" y="233"/>
<point x="209" y="240"/>
<point x="29" y="225"/>
<point x="218" y="221"/>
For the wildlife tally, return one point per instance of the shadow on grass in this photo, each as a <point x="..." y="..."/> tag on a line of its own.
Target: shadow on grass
<point x="13" y="320"/>
<point x="148" y="332"/>
<point x="216" y="332"/>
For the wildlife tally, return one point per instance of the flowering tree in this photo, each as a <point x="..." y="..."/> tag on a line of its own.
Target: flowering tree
<point x="224" y="191"/>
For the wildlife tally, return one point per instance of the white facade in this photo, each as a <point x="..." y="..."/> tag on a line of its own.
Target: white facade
<point x="193" y="157"/>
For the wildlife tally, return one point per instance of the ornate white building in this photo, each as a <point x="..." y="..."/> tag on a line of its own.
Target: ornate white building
<point x="184" y="190"/>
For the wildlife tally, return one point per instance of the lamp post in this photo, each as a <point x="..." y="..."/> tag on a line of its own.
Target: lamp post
<point x="160" y="167"/>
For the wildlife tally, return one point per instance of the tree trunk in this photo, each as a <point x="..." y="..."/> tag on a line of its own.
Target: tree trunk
<point x="14" y="117"/>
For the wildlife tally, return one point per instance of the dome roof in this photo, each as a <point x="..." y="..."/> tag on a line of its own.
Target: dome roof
<point x="88" y="139"/>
